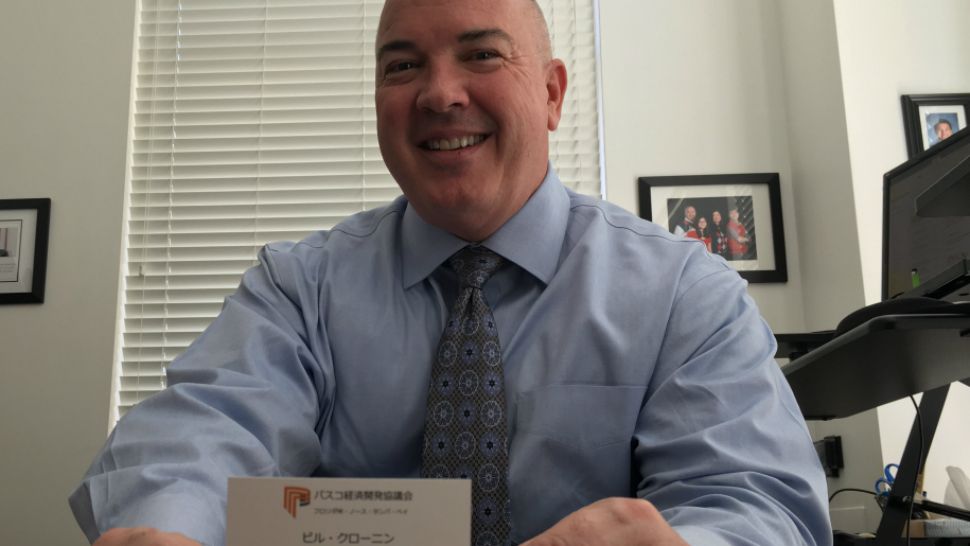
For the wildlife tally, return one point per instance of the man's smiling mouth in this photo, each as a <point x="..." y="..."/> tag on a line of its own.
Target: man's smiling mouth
<point x="456" y="143"/>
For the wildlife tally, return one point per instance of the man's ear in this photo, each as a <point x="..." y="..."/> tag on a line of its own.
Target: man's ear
<point x="556" y="87"/>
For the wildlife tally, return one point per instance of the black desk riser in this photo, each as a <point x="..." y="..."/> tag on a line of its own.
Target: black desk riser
<point x="880" y="361"/>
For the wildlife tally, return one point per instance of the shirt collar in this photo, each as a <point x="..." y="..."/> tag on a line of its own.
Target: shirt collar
<point x="532" y="238"/>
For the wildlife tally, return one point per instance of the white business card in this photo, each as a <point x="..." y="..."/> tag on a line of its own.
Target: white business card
<point x="336" y="511"/>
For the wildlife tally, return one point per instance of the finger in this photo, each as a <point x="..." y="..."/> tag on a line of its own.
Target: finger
<point x="142" y="536"/>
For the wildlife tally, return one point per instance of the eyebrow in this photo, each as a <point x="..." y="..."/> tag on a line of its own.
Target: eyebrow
<point x="465" y="37"/>
<point x="396" y="45"/>
<point x="483" y="34"/>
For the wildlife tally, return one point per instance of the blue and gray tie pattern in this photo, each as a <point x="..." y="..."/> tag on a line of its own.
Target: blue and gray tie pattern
<point x="465" y="433"/>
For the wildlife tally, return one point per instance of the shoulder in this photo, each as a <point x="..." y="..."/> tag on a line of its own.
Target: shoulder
<point x="624" y="244"/>
<point x="357" y="236"/>
<point x="371" y="226"/>
<point x="596" y="213"/>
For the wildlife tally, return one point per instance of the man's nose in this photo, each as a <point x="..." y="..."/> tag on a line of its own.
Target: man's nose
<point x="443" y="89"/>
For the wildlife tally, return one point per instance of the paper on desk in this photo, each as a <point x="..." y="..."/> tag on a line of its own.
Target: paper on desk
<point x="335" y="511"/>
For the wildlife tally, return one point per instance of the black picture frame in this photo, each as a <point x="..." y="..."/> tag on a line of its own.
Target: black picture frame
<point x="921" y="113"/>
<point x="756" y="247"/>
<point x="24" y="233"/>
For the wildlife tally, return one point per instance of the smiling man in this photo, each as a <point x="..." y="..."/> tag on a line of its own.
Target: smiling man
<point x="464" y="108"/>
<point x="490" y="325"/>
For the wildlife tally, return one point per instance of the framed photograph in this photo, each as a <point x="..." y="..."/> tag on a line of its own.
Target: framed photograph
<point x="24" y="226"/>
<point x="929" y="119"/>
<point x="737" y="216"/>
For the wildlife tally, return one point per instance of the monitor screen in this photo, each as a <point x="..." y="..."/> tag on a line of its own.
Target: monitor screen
<point x="921" y="245"/>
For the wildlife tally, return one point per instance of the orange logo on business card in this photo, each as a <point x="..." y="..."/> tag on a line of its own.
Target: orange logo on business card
<point x="293" y="496"/>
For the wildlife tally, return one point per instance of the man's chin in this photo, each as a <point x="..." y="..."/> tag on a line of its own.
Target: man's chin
<point x="459" y="214"/>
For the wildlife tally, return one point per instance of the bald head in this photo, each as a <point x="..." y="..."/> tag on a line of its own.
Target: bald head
<point x="542" y="30"/>
<point x="531" y="10"/>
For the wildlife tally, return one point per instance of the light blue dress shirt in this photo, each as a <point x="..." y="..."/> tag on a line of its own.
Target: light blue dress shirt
<point x="635" y="365"/>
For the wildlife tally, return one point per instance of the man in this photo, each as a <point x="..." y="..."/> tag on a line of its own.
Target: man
<point x="943" y="130"/>
<point x="719" y="240"/>
<point x="629" y="421"/>
<point x="687" y="222"/>
<point x="737" y="236"/>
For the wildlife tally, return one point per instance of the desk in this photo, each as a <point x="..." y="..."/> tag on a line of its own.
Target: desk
<point x="880" y="361"/>
<point x="888" y="358"/>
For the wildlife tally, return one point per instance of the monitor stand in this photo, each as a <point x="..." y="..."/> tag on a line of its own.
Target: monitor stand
<point x="952" y="285"/>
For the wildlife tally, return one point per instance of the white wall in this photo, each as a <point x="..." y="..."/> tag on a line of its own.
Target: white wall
<point x="821" y="169"/>
<point x="696" y="87"/>
<point x="824" y="205"/>
<point x="890" y="48"/>
<point x="64" y="80"/>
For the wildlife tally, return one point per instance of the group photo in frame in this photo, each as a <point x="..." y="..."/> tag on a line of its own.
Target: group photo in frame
<point x="930" y="119"/>
<point x="736" y="216"/>
<point x="24" y="230"/>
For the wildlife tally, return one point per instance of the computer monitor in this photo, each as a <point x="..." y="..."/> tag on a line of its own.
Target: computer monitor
<point x="926" y="234"/>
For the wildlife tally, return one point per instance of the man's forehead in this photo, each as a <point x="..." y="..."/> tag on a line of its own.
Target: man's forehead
<point x="468" y="36"/>
<point x="404" y="24"/>
<point x="463" y="4"/>
<point x="463" y="16"/>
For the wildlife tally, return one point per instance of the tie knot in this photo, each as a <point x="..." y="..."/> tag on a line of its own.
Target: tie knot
<point x="474" y="265"/>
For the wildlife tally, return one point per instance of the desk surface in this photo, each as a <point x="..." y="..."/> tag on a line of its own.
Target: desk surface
<point x="881" y="361"/>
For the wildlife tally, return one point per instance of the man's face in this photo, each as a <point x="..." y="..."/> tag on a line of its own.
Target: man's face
<point x="690" y="213"/>
<point x="465" y="96"/>
<point x="716" y="216"/>
<point x="733" y="214"/>
<point x="943" y="130"/>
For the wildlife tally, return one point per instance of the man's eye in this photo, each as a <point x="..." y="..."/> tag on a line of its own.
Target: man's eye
<point x="399" y="66"/>
<point x="484" y="55"/>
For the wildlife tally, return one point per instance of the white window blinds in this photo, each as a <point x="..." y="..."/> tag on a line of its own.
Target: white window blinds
<point x="254" y="122"/>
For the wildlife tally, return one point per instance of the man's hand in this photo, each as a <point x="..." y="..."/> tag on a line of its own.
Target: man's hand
<point x="143" y="536"/>
<point x="615" y="521"/>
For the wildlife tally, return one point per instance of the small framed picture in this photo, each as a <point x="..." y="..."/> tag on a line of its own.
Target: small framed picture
<point x="929" y="119"/>
<point x="736" y="216"/>
<point x="24" y="225"/>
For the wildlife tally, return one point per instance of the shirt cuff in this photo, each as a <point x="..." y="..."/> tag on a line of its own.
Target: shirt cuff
<point x="194" y="517"/>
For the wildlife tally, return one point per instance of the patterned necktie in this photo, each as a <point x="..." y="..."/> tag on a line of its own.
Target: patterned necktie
<point x="465" y="432"/>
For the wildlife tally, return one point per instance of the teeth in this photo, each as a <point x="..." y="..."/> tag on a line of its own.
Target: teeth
<point x="456" y="143"/>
